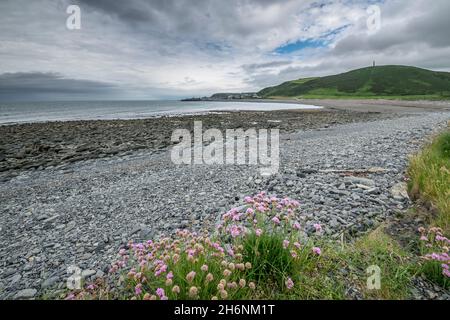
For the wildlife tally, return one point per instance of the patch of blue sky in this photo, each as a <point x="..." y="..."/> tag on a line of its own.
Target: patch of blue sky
<point x="301" y="45"/>
<point x="312" y="43"/>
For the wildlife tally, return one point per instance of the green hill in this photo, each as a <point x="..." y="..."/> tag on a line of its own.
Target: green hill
<point x="372" y="82"/>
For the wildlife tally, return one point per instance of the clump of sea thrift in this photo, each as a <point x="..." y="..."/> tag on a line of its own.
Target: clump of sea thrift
<point x="435" y="253"/>
<point x="200" y="266"/>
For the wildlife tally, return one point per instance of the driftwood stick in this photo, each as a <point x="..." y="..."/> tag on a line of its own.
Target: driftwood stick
<point x="370" y="170"/>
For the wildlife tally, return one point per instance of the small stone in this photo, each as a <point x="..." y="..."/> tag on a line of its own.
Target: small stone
<point x="25" y="293"/>
<point x="99" y="274"/>
<point x="372" y="191"/>
<point x="28" y="267"/>
<point x="49" y="282"/>
<point x="15" y="278"/>
<point x="135" y="230"/>
<point x="86" y="256"/>
<point x="88" y="273"/>
<point x="70" y="226"/>
<point x="364" y="187"/>
<point x="359" y="180"/>
<point x="51" y="219"/>
<point x="41" y="217"/>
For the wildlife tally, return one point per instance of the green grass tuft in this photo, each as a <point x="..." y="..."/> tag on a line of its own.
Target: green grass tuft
<point x="429" y="174"/>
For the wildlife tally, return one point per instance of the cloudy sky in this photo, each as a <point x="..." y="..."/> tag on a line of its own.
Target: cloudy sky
<point x="155" y="49"/>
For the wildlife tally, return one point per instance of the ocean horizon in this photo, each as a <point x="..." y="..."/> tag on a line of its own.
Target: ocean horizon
<point x="44" y="111"/>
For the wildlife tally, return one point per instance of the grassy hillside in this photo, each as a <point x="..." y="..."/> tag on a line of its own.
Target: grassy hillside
<point x="375" y="82"/>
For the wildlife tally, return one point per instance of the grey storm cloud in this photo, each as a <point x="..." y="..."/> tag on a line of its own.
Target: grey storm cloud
<point x="48" y="82"/>
<point x="37" y="83"/>
<point x="129" y="11"/>
<point x="169" y="48"/>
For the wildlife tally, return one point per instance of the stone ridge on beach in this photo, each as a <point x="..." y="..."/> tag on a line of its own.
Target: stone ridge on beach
<point x="42" y="145"/>
<point x="83" y="212"/>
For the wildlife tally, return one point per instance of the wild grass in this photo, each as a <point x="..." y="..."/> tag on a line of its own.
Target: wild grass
<point x="429" y="174"/>
<point x="396" y="265"/>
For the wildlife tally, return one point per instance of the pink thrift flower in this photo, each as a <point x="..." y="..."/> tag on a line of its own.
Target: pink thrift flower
<point x="235" y="231"/>
<point x="317" y="251"/>
<point x="276" y="220"/>
<point x="297" y="225"/>
<point x="193" y="291"/>
<point x="295" y="203"/>
<point x="285" y="244"/>
<point x="250" y="211"/>
<point x="190" y="276"/>
<point x="318" y="227"/>
<point x="138" y="289"/>
<point x="446" y="272"/>
<point x="209" y="277"/>
<point x="160" y="292"/>
<point x="147" y="296"/>
<point x="289" y="284"/>
<point x="204" y="268"/>
<point x="423" y="238"/>
<point x="169" y="275"/>
<point x="176" y="289"/>
<point x="258" y="232"/>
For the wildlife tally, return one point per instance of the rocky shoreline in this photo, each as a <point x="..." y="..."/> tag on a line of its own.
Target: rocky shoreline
<point x="36" y="146"/>
<point x="345" y="168"/>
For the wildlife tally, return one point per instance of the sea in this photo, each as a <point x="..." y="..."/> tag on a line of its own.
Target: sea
<point x="29" y="112"/>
